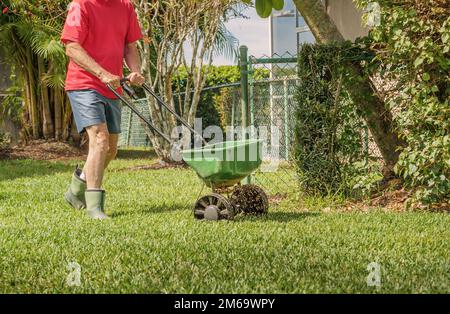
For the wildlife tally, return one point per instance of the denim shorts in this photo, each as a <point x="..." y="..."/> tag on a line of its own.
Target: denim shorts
<point x="90" y="108"/>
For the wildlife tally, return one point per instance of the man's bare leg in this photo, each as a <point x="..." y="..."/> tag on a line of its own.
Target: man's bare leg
<point x="112" y="152"/>
<point x="98" y="152"/>
<point x="94" y="169"/>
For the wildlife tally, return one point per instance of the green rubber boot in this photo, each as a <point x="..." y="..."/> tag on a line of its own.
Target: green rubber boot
<point x="95" y="204"/>
<point x="75" y="193"/>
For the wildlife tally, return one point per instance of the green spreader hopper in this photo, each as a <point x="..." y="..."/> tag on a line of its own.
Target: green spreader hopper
<point x="225" y="164"/>
<point x="222" y="166"/>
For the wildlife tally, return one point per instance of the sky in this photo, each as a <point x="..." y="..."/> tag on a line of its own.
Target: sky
<point x="252" y="32"/>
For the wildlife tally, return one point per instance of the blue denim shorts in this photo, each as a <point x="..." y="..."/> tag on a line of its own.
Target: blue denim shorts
<point x="90" y="108"/>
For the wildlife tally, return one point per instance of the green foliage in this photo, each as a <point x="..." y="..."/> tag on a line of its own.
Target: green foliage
<point x="11" y="106"/>
<point x="29" y="36"/>
<point x="329" y="132"/>
<point x="215" y="105"/>
<point x="278" y="4"/>
<point x="366" y="178"/>
<point x="5" y="141"/>
<point x="264" y="7"/>
<point x="38" y="26"/>
<point x="412" y="45"/>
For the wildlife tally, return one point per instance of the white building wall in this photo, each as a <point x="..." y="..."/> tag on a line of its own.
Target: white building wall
<point x="347" y="18"/>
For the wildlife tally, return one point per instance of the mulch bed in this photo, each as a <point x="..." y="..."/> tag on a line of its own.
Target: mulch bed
<point x="393" y="199"/>
<point x="156" y="166"/>
<point x="43" y="150"/>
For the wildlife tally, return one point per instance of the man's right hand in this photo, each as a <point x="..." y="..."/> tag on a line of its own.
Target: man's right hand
<point x="111" y="79"/>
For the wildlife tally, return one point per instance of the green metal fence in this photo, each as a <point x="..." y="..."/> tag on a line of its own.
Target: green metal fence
<point x="271" y="103"/>
<point x="264" y="101"/>
<point x="134" y="135"/>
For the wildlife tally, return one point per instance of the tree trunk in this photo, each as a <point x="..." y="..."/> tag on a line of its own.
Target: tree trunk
<point x="378" y="118"/>
<point x="34" y="106"/>
<point x="67" y="117"/>
<point x="58" y="103"/>
<point x="47" y="123"/>
<point x="320" y="23"/>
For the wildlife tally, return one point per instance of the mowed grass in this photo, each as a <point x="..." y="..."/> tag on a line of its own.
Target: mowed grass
<point x="154" y="245"/>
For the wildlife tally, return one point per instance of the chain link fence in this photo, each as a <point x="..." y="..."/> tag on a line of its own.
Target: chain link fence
<point x="133" y="133"/>
<point x="226" y="98"/>
<point x="272" y="109"/>
<point x="272" y="86"/>
<point x="273" y="106"/>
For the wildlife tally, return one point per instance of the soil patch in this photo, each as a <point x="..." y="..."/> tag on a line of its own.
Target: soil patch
<point x="43" y="150"/>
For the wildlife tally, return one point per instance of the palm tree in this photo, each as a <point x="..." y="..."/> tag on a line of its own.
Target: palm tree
<point x="31" y="34"/>
<point x="35" y="52"/>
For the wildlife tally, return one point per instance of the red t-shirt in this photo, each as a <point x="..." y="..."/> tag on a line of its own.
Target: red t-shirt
<point x="102" y="28"/>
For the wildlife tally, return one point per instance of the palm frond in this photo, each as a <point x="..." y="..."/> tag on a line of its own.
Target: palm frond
<point x="53" y="80"/>
<point x="226" y="44"/>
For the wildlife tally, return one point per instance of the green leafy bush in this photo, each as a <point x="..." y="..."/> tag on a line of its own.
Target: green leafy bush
<point x="412" y="45"/>
<point x="215" y="104"/>
<point x="11" y="105"/>
<point x="329" y="132"/>
<point x="5" y="141"/>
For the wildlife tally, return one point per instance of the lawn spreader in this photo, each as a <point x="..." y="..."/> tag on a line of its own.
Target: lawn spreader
<point x="221" y="166"/>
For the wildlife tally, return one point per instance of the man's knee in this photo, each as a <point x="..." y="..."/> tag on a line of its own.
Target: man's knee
<point x="99" y="137"/>
<point x="102" y="142"/>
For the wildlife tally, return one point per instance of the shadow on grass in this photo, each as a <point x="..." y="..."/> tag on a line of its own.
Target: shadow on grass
<point x="278" y="217"/>
<point x="131" y="154"/>
<point x="14" y="169"/>
<point x="149" y="210"/>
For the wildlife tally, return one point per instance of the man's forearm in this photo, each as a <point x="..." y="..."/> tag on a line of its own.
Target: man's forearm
<point x="77" y="53"/>
<point x="132" y="58"/>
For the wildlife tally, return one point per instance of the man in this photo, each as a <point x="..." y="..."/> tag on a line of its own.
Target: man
<point x="99" y="35"/>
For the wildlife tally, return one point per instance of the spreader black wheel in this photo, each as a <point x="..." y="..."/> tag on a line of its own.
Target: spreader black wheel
<point x="213" y="207"/>
<point x="250" y="199"/>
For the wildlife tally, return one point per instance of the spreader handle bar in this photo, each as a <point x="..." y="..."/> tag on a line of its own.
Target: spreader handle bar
<point x="139" y="114"/>
<point x="173" y="112"/>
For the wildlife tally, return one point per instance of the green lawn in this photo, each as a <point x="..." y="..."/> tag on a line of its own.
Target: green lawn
<point x="154" y="245"/>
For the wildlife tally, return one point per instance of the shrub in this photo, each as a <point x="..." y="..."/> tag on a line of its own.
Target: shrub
<point x="215" y="105"/>
<point x="5" y="141"/>
<point x="412" y="46"/>
<point x="329" y="132"/>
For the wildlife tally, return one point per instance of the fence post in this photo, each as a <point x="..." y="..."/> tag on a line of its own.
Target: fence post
<point x="244" y="85"/>
<point x="286" y="119"/>
<point x="251" y="94"/>
<point x="243" y="65"/>
<point x="233" y="109"/>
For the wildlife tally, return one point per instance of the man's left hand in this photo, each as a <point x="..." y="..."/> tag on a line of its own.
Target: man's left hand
<point x="136" y="78"/>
